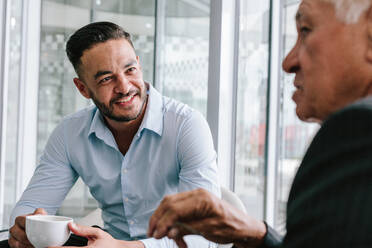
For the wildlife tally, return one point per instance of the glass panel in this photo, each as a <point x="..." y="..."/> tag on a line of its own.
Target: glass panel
<point x="57" y="94"/>
<point x="12" y="112"/>
<point x="183" y="51"/>
<point x="295" y="135"/>
<point x="138" y="18"/>
<point x="251" y="104"/>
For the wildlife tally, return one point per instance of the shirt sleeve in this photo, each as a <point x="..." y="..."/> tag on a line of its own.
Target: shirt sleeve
<point x="191" y="241"/>
<point x="196" y="156"/>
<point x="272" y="239"/>
<point x="52" y="179"/>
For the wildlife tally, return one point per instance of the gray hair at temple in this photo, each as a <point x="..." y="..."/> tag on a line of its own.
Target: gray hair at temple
<point x="349" y="11"/>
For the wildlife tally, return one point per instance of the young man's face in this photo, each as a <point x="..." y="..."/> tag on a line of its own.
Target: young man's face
<point x="329" y="60"/>
<point x="111" y="76"/>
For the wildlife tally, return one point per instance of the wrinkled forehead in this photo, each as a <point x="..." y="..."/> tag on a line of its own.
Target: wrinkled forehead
<point x="347" y="11"/>
<point x="314" y="11"/>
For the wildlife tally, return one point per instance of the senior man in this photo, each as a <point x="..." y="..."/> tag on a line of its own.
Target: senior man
<point x="330" y="203"/>
<point x="131" y="149"/>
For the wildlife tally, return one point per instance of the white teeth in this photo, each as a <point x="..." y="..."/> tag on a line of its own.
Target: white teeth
<point x="126" y="99"/>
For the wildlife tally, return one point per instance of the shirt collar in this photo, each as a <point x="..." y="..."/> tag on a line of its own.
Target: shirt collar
<point x="98" y="125"/>
<point x="152" y="120"/>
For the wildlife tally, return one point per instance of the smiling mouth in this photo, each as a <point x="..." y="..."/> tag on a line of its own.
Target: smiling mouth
<point x="125" y="99"/>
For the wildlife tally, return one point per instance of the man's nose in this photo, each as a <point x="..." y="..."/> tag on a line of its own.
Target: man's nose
<point x="290" y="63"/>
<point x="122" y="85"/>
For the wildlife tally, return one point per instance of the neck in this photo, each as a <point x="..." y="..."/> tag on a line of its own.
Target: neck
<point x="126" y="129"/>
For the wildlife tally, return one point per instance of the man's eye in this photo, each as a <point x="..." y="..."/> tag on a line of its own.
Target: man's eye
<point x="304" y="31"/>
<point x="104" y="80"/>
<point x="131" y="69"/>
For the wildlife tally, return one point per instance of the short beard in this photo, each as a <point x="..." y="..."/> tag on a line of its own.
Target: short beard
<point x="108" y="110"/>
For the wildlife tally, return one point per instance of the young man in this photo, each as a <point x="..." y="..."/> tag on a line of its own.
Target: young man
<point x="131" y="149"/>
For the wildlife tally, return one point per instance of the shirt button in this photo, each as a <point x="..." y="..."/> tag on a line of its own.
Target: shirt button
<point x="131" y="222"/>
<point x="125" y="171"/>
<point x="126" y="199"/>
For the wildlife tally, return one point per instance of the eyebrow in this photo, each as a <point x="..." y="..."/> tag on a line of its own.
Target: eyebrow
<point x="101" y="73"/>
<point x="298" y="16"/>
<point x="133" y="62"/>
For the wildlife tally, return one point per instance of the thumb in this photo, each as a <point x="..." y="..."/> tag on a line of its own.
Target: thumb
<point x="40" y="211"/>
<point x="84" y="231"/>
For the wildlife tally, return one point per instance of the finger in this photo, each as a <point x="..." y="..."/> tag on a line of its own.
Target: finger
<point x="213" y="229"/>
<point x="18" y="234"/>
<point x="165" y="223"/>
<point x="173" y="217"/>
<point x="13" y="243"/>
<point x="85" y="231"/>
<point x="166" y="204"/>
<point x="20" y="222"/>
<point x="181" y="243"/>
<point x="40" y="211"/>
<point x="173" y="233"/>
<point x="168" y="212"/>
<point x="157" y="214"/>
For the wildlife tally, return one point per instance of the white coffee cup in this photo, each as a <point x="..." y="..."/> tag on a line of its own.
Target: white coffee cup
<point x="47" y="230"/>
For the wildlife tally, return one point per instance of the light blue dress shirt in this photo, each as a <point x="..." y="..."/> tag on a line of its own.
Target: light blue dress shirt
<point x="171" y="152"/>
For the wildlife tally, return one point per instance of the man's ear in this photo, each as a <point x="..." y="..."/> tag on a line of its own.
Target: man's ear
<point x="369" y="35"/>
<point x="83" y="89"/>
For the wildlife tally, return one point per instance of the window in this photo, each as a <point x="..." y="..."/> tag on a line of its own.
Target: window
<point x="11" y="113"/>
<point x="252" y="105"/>
<point x="295" y="135"/>
<point x="182" y="54"/>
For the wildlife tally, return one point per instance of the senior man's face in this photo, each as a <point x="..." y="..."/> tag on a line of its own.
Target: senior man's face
<point x="330" y="59"/>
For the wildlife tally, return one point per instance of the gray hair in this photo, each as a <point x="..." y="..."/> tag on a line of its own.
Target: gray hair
<point x="349" y="11"/>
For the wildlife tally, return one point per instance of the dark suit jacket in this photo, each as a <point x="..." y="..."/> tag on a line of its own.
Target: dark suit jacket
<point x="330" y="203"/>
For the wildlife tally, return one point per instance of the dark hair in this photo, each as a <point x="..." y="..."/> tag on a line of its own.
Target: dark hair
<point x="90" y="35"/>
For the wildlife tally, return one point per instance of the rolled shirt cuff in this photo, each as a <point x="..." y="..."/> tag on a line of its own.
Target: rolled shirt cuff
<point x="191" y="241"/>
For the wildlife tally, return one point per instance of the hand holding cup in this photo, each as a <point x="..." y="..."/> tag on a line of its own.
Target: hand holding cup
<point x="17" y="237"/>
<point x="47" y="230"/>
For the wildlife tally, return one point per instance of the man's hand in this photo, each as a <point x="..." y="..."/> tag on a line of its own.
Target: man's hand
<point x="200" y="212"/>
<point x="99" y="238"/>
<point x="17" y="237"/>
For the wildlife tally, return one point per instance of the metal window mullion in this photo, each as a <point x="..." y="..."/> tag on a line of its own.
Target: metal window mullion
<point x="28" y="93"/>
<point x="92" y="11"/>
<point x="220" y="109"/>
<point x="159" y="44"/>
<point x="21" y="99"/>
<point x="273" y="111"/>
<point x="214" y="64"/>
<point x="4" y="73"/>
<point x="235" y="94"/>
